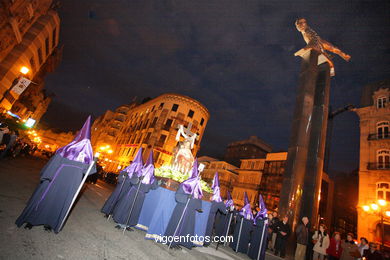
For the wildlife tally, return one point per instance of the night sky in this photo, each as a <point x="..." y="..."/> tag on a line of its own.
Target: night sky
<point x="236" y="57"/>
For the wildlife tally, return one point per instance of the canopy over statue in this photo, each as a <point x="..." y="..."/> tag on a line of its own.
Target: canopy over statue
<point x="316" y="43"/>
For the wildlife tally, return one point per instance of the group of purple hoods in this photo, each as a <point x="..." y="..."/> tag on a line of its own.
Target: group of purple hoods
<point x="80" y="149"/>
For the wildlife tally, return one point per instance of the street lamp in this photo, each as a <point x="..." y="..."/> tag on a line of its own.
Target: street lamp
<point x="379" y="208"/>
<point x="24" y="70"/>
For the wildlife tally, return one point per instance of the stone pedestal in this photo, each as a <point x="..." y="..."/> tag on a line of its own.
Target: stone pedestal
<point x="302" y="178"/>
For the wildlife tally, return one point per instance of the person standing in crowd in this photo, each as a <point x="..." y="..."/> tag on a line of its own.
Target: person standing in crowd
<point x="269" y="237"/>
<point x="334" y="250"/>
<point x="273" y="226"/>
<point x="350" y="249"/>
<point x="9" y="144"/>
<point x="283" y="231"/>
<point x="372" y="253"/>
<point x="321" y="243"/>
<point x="3" y="130"/>
<point x="363" y="245"/>
<point x="302" y="233"/>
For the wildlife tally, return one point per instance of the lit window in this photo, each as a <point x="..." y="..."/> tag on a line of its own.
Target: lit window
<point x="383" y="191"/>
<point x="381" y="101"/>
<point x="382" y="130"/>
<point x="383" y="159"/>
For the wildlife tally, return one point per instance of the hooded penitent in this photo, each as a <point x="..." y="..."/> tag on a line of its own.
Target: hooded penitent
<point x="192" y="184"/>
<point x="229" y="202"/>
<point x="136" y="166"/>
<point x="216" y="190"/>
<point x="59" y="182"/>
<point x="263" y="210"/>
<point x="148" y="170"/>
<point x="246" y="211"/>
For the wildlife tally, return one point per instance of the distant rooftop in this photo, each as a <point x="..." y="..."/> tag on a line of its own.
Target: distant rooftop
<point x="253" y="140"/>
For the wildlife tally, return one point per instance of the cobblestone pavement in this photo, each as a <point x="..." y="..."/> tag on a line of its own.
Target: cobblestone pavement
<point x="86" y="235"/>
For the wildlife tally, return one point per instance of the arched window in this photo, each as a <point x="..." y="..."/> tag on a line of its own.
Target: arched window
<point x="381" y="101"/>
<point x="383" y="191"/>
<point x="383" y="159"/>
<point x="382" y="129"/>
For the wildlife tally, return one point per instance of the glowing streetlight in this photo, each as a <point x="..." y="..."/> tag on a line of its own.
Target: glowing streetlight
<point x="24" y="70"/>
<point x="382" y="202"/>
<point x="366" y="208"/>
<point x="387" y="213"/>
<point x="374" y="206"/>
<point x="110" y="151"/>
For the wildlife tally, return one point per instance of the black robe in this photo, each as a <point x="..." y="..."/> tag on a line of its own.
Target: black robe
<point x="122" y="209"/>
<point x="123" y="186"/>
<point x="256" y="239"/>
<point x="60" y="179"/>
<point x="215" y="207"/>
<point x="222" y="223"/>
<point x="187" y="225"/>
<point x="244" y="239"/>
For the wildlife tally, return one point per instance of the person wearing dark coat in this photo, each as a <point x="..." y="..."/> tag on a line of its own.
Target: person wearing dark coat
<point x="260" y="233"/>
<point x="59" y="182"/>
<point x="284" y="231"/>
<point x="217" y="205"/>
<point x="222" y="226"/>
<point x="188" y="202"/>
<point x="372" y="253"/>
<point x="127" y="211"/>
<point x="126" y="179"/>
<point x="243" y="228"/>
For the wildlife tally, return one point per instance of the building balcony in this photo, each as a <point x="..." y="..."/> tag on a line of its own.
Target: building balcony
<point x="378" y="137"/>
<point x="378" y="166"/>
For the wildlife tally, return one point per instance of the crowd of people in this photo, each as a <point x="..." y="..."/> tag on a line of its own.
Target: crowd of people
<point x="318" y="244"/>
<point x="12" y="144"/>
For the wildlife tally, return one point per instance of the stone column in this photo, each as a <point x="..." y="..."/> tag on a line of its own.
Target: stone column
<point x="302" y="178"/>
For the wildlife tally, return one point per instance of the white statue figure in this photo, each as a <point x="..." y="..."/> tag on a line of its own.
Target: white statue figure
<point x="183" y="158"/>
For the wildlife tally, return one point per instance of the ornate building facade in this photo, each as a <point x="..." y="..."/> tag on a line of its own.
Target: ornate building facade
<point x="29" y="32"/>
<point x="251" y="148"/>
<point x="374" y="166"/>
<point x="152" y="125"/>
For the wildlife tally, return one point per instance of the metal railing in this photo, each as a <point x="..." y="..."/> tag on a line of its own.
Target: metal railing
<point x="378" y="166"/>
<point x="378" y="137"/>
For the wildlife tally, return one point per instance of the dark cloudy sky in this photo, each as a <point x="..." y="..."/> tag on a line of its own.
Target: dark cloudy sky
<point x="236" y="57"/>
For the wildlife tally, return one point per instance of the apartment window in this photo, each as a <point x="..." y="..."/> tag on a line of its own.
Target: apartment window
<point x="53" y="44"/>
<point x="146" y="140"/>
<point x="168" y="124"/>
<point x="190" y="113"/>
<point x="202" y="121"/>
<point x="152" y="109"/>
<point x="161" y="105"/>
<point x="162" y="139"/>
<point x="381" y="101"/>
<point x="383" y="191"/>
<point x="40" y="59"/>
<point x="32" y="63"/>
<point x="47" y="46"/>
<point x="383" y="159"/>
<point x="175" y="107"/>
<point x="153" y="124"/>
<point x="382" y="130"/>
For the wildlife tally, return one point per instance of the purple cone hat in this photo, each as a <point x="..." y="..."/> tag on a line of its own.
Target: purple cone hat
<point x="136" y="166"/>
<point x="263" y="210"/>
<point x="192" y="184"/>
<point x="216" y="190"/>
<point x="148" y="170"/>
<point x="246" y="211"/>
<point x="80" y="148"/>
<point x="229" y="202"/>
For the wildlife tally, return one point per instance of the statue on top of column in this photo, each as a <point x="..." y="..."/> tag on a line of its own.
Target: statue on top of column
<point x="316" y="43"/>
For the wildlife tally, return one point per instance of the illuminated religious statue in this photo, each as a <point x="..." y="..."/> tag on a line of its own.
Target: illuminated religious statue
<point x="183" y="158"/>
<point x="316" y="43"/>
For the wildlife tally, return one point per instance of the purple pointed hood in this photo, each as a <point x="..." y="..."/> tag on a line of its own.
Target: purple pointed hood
<point x="229" y="202"/>
<point x="148" y="170"/>
<point x="216" y="190"/>
<point x="80" y="148"/>
<point x="263" y="210"/>
<point x="192" y="184"/>
<point x="246" y="211"/>
<point x="136" y="166"/>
